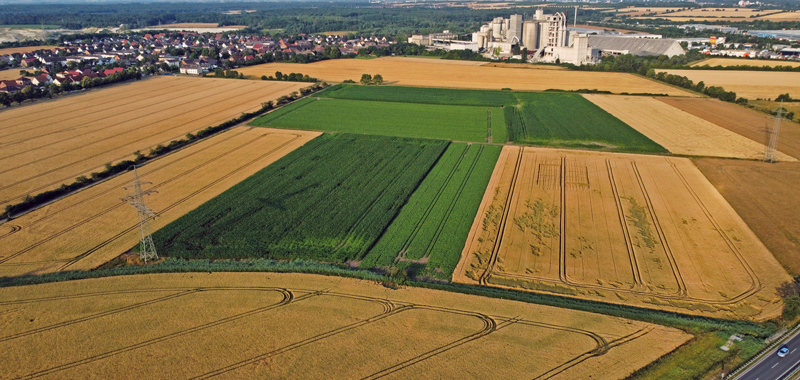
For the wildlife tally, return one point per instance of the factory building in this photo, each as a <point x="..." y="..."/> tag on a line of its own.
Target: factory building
<point x="636" y="46"/>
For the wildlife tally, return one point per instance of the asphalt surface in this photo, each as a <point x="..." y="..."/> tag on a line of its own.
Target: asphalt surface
<point x="772" y="367"/>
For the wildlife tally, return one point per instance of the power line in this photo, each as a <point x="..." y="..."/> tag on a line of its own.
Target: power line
<point x="147" y="249"/>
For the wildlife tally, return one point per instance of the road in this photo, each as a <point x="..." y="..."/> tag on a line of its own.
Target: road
<point x="771" y="367"/>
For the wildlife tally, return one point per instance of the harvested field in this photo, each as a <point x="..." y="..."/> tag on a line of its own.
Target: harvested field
<point x="431" y="228"/>
<point x="723" y="12"/>
<point x="329" y="200"/>
<point x="783" y="16"/>
<point x="9" y="74"/>
<point x="271" y="325"/>
<point x="462" y="74"/>
<point x="639" y="230"/>
<point x="49" y="143"/>
<point x="90" y="227"/>
<point x="765" y="195"/>
<point x="638" y="11"/>
<point x="740" y="120"/>
<point x="25" y="49"/>
<point x="747" y="84"/>
<point x="726" y="62"/>
<point x="679" y="131"/>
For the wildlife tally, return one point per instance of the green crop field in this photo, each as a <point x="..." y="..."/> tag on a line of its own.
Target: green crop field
<point x="431" y="229"/>
<point x="442" y="96"/>
<point x="569" y="120"/>
<point x="329" y="200"/>
<point x="460" y="123"/>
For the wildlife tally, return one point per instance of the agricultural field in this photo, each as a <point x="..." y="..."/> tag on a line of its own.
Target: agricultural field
<point x="723" y="12"/>
<point x="462" y="74"/>
<point x="747" y="84"/>
<point x="569" y="120"/>
<point x="767" y="106"/>
<point x="49" y="143"/>
<point x="678" y="131"/>
<point x="423" y="95"/>
<point x="743" y="121"/>
<point x="726" y="62"/>
<point x="783" y="16"/>
<point x="90" y="227"/>
<point x="765" y="196"/>
<point x="10" y="74"/>
<point x="431" y="228"/>
<point x="329" y="200"/>
<point x="638" y="11"/>
<point x="24" y="49"/>
<point x="622" y="229"/>
<point x="271" y="325"/>
<point x="462" y="123"/>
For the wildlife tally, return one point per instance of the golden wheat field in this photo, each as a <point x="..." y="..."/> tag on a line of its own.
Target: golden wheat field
<point x="678" y="131"/>
<point x="49" y="143"/>
<point x="722" y="12"/>
<point x="24" y="49"/>
<point x="267" y="325"/>
<point x="783" y="16"/>
<point x="10" y="74"/>
<point x="640" y="230"/>
<point x="747" y="84"/>
<point x="726" y="62"/>
<point x="86" y="229"/>
<point x="462" y="74"/>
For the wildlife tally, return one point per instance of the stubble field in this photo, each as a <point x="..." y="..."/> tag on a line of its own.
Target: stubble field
<point x="256" y="325"/>
<point x="725" y="62"/>
<point x="24" y="49"/>
<point x="91" y="227"/>
<point x="461" y="74"/>
<point x="621" y="229"/>
<point x="754" y="125"/>
<point x="747" y="84"/>
<point x="49" y="143"/>
<point x="678" y="131"/>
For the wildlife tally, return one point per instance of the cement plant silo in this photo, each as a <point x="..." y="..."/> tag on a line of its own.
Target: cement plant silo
<point x="497" y="28"/>
<point x="530" y="34"/>
<point x="515" y="29"/>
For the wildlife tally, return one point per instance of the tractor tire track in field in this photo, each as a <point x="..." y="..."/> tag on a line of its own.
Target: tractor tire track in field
<point x="14" y="229"/>
<point x="90" y="109"/>
<point x="452" y="206"/>
<point x="178" y="176"/>
<point x="635" y="269"/>
<point x="660" y="231"/>
<point x="101" y="127"/>
<point x="483" y="280"/>
<point x="288" y="298"/>
<point x="418" y="227"/>
<point x="177" y="203"/>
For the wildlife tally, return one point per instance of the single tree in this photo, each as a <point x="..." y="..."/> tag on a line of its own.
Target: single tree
<point x="377" y="79"/>
<point x="366" y="79"/>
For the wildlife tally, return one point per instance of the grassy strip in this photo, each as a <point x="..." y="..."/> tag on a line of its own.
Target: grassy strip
<point x="499" y="131"/>
<point x="328" y="200"/>
<point x="461" y="123"/>
<point x="436" y="220"/>
<point x="439" y="96"/>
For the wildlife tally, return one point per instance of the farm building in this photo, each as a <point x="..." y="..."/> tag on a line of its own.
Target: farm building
<point x="635" y="46"/>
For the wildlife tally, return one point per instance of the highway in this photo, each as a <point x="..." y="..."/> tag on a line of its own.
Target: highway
<point x="771" y="367"/>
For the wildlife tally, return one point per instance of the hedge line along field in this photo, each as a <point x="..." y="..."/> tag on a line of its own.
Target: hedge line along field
<point x="443" y="96"/>
<point x="460" y="123"/>
<point x="638" y="230"/>
<point x="91" y="227"/>
<point x="681" y="132"/>
<point x="569" y="120"/>
<point x="423" y="72"/>
<point x="48" y="143"/>
<point x="328" y="201"/>
<point x="431" y="228"/>
<point x="273" y="325"/>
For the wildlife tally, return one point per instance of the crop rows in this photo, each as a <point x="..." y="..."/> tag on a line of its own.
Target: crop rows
<point x="441" y="96"/>
<point x="431" y="229"/>
<point x="572" y="121"/>
<point x="329" y="200"/>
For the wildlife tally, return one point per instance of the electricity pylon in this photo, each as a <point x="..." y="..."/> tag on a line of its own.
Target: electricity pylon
<point x="147" y="250"/>
<point x="770" y="156"/>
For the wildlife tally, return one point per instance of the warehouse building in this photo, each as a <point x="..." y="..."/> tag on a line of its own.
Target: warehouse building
<point x="636" y="46"/>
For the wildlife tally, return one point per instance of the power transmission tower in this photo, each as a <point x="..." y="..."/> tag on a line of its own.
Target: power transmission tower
<point x="769" y="156"/>
<point x="147" y="250"/>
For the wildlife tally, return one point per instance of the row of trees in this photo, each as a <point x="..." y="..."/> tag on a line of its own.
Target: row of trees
<point x="367" y="79"/>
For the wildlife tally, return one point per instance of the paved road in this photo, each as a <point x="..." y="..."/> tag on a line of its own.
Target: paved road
<point x="771" y="367"/>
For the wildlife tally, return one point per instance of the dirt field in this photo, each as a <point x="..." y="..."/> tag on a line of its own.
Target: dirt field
<point x="745" y="62"/>
<point x="269" y="325"/>
<point x="640" y="230"/>
<point x="765" y="195"/>
<point x="679" y="131"/>
<point x="748" y="84"/>
<point x="25" y="49"/>
<point x="90" y="227"/>
<point x="45" y="144"/>
<point x="740" y="120"/>
<point x="463" y="74"/>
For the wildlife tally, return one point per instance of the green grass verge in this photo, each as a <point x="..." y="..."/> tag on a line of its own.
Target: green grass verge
<point x="441" y="96"/>
<point x="498" y="122"/>
<point x="328" y="200"/>
<point x="435" y="222"/>
<point x="461" y="123"/>
<point x="569" y="120"/>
